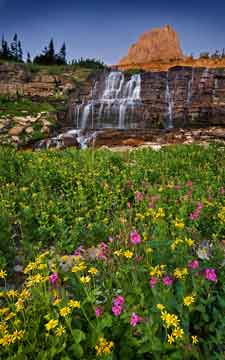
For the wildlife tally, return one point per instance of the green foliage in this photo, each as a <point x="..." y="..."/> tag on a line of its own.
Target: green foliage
<point x="20" y="105"/>
<point x="89" y="63"/>
<point x="131" y="72"/>
<point x="173" y="198"/>
<point x="50" y="57"/>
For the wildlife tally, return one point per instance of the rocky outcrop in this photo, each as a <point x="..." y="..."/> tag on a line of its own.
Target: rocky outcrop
<point x="128" y="139"/>
<point x="157" y="44"/>
<point x="32" y="82"/>
<point x="27" y="129"/>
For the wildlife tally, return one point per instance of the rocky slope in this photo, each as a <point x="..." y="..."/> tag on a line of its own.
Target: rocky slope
<point x="157" y="44"/>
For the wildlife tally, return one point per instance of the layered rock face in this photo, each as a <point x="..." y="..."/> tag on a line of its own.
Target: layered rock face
<point x="18" y="79"/>
<point x="157" y="44"/>
<point x="180" y="97"/>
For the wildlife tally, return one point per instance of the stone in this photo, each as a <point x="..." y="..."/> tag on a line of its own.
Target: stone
<point x="157" y="44"/>
<point x="16" y="131"/>
<point x="68" y="140"/>
<point x="29" y="130"/>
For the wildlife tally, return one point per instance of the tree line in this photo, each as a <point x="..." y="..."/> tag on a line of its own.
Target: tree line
<point x="13" y="52"/>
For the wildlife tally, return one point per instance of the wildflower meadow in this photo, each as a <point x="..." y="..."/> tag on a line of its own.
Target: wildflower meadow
<point x="113" y="255"/>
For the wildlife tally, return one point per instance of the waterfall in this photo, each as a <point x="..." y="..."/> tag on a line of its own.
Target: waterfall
<point x="114" y="106"/>
<point x="169" y="104"/>
<point x="190" y="88"/>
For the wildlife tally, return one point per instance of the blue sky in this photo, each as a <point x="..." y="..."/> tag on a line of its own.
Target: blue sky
<point x="105" y="30"/>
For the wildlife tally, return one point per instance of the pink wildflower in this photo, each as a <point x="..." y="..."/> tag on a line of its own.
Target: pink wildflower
<point x="135" y="319"/>
<point x="135" y="237"/>
<point x="189" y="183"/>
<point x="167" y="280"/>
<point x="210" y="274"/>
<point x="193" y="264"/>
<point x="98" y="311"/>
<point x="153" y="281"/>
<point x="129" y="204"/>
<point x="119" y="301"/>
<point x="196" y="213"/>
<point x="79" y="251"/>
<point x="53" y="278"/>
<point x="222" y="190"/>
<point x="139" y="196"/>
<point x="116" y="309"/>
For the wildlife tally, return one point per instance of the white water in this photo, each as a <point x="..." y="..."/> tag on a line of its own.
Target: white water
<point x="190" y="88"/>
<point x="169" y="104"/>
<point x="117" y="101"/>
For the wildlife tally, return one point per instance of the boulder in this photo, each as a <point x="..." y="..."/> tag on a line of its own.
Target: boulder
<point x="16" y="131"/>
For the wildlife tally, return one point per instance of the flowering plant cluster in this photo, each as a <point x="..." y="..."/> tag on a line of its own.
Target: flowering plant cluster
<point x="132" y="259"/>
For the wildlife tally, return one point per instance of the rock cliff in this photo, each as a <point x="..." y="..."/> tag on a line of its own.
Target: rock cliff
<point x="157" y="44"/>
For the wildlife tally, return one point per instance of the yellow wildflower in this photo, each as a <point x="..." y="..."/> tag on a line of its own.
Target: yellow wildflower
<point x="180" y="273"/>
<point x="194" y="339"/>
<point x="189" y="242"/>
<point x="161" y="307"/>
<point x="188" y="300"/>
<point x="149" y="250"/>
<point x="12" y="293"/>
<point x="74" y="304"/>
<point x="6" y="340"/>
<point x="4" y="311"/>
<point x="19" y="305"/>
<point x="128" y="254"/>
<point x="179" y="224"/>
<point x="25" y="294"/>
<point x="56" y="301"/>
<point x="178" y="333"/>
<point x="85" y="279"/>
<point x="175" y="244"/>
<point x="118" y="252"/>
<point x="18" y="335"/>
<point x="3" y="274"/>
<point x="170" y="339"/>
<point x="65" y="311"/>
<point x="93" y="271"/>
<point x="30" y="267"/>
<point x="10" y="316"/>
<point x="3" y="327"/>
<point x="42" y="267"/>
<point x="103" y="347"/>
<point x="80" y="267"/>
<point x="157" y="270"/>
<point x="170" y="319"/>
<point x="51" y="324"/>
<point x="221" y="214"/>
<point x="60" y="331"/>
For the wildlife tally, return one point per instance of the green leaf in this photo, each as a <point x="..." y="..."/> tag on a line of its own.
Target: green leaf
<point x="78" y="335"/>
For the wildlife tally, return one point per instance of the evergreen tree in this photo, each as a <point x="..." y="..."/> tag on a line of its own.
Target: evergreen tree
<point x="51" y="49"/>
<point x="20" y="52"/>
<point x="14" y="47"/>
<point x="28" y="58"/>
<point x="5" y="52"/>
<point x="61" y="57"/>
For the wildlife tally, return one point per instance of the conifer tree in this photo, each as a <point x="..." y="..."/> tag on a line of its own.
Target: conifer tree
<point x="28" y="58"/>
<point x="62" y="55"/>
<point x="14" y="47"/>
<point x="20" y="52"/>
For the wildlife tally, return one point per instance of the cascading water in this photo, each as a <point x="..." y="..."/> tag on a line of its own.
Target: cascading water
<point x="190" y="88"/>
<point x="114" y="107"/>
<point x="169" y="104"/>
